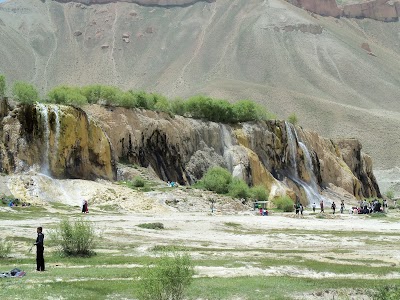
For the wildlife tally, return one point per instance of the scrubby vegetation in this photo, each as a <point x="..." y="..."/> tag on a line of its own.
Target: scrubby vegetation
<point x="5" y="248"/>
<point x="220" y="180"/>
<point x="2" y="86"/>
<point x="25" y="92"/>
<point x="138" y="182"/>
<point x="167" y="278"/>
<point x="293" y="119"/>
<point x="198" y="107"/>
<point x="156" y="226"/>
<point x="284" y="203"/>
<point x="389" y="292"/>
<point x="74" y="238"/>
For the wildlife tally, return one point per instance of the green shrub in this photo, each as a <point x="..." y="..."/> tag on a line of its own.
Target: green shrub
<point x="178" y="106"/>
<point x="5" y="248"/>
<point x="293" y="119"/>
<point x="167" y="279"/>
<point x="92" y="93"/>
<point x="74" y="238"/>
<point x="389" y="292"/>
<point x="162" y="103"/>
<point x="2" y="86"/>
<point x="155" y="226"/>
<point x="217" y="179"/>
<point x="25" y="92"/>
<point x="138" y="182"/>
<point x="259" y="193"/>
<point x="284" y="203"/>
<point x="67" y="95"/>
<point x="239" y="189"/>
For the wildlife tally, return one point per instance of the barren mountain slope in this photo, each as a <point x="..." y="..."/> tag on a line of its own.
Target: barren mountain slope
<point x="270" y="51"/>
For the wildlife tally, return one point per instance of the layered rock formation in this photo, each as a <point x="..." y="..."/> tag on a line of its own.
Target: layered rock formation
<point x="380" y="10"/>
<point x="273" y="153"/>
<point x="60" y="140"/>
<point x="66" y="142"/>
<point x="141" y="2"/>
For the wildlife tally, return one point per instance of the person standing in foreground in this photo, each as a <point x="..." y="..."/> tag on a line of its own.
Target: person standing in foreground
<point x="39" y="250"/>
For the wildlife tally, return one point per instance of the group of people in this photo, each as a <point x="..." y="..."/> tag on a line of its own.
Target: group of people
<point x="299" y="208"/>
<point x="369" y="207"/>
<point x="172" y="184"/>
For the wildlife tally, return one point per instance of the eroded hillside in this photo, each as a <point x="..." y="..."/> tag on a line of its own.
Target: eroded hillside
<point x="340" y="76"/>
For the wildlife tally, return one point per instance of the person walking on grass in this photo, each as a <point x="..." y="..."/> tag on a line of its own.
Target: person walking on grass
<point x="333" y="207"/>
<point x="39" y="249"/>
<point x="314" y="206"/>
<point x="321" y="204"/>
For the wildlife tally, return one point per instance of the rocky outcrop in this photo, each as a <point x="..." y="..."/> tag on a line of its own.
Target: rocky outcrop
<point x="181" y="149"/>
<point x="60" y="140"/>
<point x="67" y="142"/>
<point x="141" y="2"/>
<point x="321" y="7"/>
<point x="380" y="10"/>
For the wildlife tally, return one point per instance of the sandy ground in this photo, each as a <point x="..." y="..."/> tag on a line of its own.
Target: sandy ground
<point x="234" y="231"/>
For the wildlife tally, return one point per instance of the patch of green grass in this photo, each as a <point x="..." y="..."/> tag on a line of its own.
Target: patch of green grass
<point x="169" y="248"/>
<point x="156" y="226"/>
<point x="377" y="215"/>
<point x="233" y="224"/>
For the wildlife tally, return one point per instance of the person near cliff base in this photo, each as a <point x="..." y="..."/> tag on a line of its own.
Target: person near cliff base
<point x="39" y="249"/>
<point x="314" y="206"/>
<point x="321" y="204"/>
<point x="342" y="207"/>
<point x="85" y="208"/>
<point x="333" y="206"/>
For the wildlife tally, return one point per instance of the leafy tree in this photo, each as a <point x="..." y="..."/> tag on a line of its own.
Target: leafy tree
<point x="127" y="99"/>
<point x="178" y="106"/>
<point x="67" y="95"/>
<point x="92" y="93"/>
<point x="284" y="203"/>
<point x="217" y="179"/>
<point x="239" y="189"/>
<point x="245" y="110"/>
<point x="293" y="119"/>
<point x="3" y="86"/>
<point x="161" y="103"/>
<point x="109" y="95"/>
<point x="25" y="92"/>
<point x="259" y="192"/>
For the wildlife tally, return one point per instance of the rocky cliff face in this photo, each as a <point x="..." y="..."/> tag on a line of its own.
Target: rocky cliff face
<point x="284" y="159"/>
<point x="61" y="141"/>
<point x="72" y="143"/>
<point x="380" y="10"/>
<point x="141" y="2"/>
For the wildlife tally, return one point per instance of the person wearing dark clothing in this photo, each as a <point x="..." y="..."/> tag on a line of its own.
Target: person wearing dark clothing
<point x="342" y="207"/>
<point x="39" y="250"/>
<point x="333" y="207"/>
